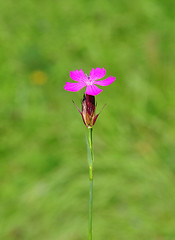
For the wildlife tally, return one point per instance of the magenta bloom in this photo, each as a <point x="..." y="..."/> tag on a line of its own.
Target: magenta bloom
<point x="90" y="82"/>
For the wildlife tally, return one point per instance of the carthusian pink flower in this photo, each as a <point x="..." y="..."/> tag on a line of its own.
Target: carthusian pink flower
<point x="88" y="114"/>
<point x="90" y="82"/>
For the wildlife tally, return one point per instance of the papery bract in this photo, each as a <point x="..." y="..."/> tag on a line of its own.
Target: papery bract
<point x="88" y="110"/>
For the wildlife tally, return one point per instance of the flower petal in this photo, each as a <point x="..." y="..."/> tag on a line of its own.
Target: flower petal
<point x="74" y="87"/>
<point x="93" y="90"/>
<point x="98" y="73"/>
<point x="78" y="75"/>
<point x="105" y="82"/>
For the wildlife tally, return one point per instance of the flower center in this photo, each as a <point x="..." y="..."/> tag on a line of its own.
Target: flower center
<point x="89" y="81"/>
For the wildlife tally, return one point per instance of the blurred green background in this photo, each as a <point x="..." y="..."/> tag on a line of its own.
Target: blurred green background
<point x="43" y="160"/>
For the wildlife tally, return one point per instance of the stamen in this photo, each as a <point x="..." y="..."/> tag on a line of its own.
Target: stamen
<point x="90" y="81"/>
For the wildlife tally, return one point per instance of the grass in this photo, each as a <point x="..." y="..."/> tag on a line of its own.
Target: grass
<point x="43" y="159"/>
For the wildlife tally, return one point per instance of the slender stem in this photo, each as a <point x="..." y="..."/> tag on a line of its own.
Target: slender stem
<point x="90" y="183"/>
<point x="90" y="207"/>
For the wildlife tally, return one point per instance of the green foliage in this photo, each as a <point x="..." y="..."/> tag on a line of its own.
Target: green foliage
<point x="43" y="157"/>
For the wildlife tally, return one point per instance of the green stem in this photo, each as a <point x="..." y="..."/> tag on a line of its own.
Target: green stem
<point x="90" y="183"/>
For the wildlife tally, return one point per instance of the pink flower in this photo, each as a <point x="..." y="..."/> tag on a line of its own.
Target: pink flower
<point x="83" y="80"/>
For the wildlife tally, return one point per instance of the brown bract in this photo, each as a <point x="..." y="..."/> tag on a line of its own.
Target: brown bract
<point x="88" y="110"/>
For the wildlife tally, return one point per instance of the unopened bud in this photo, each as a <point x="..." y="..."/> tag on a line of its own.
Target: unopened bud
<point x="88" y="110"/>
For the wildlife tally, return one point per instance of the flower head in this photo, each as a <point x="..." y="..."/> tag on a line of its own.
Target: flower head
<point x="90" y="82"/>
<point x="88" y="110"/>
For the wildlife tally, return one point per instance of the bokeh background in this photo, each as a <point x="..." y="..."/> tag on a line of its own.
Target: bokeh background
<point x="43" y="159"/>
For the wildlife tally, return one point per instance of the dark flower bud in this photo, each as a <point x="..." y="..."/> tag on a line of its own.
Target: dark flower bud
<point x="88" y="110"/>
